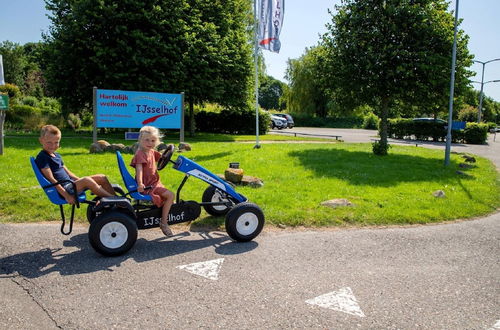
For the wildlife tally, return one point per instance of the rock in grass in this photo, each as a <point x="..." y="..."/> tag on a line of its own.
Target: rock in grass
<point x="338" y="202"/>
<point x="469" y="159"/>
<point x="465" y="165"/>
<point x="233" y="175"/>
<point x="439" y="194"/>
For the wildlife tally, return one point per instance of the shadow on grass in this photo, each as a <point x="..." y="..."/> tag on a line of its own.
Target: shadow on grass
<point x="365" y="168"/>
<point x="200" y="158"/>
<point x="34" y="264"/>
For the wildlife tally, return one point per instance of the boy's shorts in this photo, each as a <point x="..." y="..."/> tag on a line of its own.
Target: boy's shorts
<point x="68" y="186"/>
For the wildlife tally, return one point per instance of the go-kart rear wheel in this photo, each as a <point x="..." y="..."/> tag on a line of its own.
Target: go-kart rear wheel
<point x="213" y="195"/>
<point x="244" y="222"/>
<point x="91" y="215"/>
<point x="112" y="233"/>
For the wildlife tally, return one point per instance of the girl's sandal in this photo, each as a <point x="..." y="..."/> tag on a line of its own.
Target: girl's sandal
<point x="165" y="228"/>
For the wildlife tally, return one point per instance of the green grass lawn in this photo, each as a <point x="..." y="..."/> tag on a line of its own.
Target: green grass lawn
<point x="396" y="189"/>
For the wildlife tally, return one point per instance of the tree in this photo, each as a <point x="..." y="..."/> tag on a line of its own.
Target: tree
<point x="14" y="62"/>
<point x="197" y="47"/>
<point x="307" y="93"/>
<point x="383" y="52"/>
<point x="270" y="93"/>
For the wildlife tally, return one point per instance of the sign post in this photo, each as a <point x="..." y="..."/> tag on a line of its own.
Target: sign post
<point x="4" y="105"/>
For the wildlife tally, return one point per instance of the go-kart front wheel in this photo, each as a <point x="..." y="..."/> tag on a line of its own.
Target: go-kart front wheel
<point x="244" y="222"/>
<point x="112" y="233"/>
<point x="214" y="195"/>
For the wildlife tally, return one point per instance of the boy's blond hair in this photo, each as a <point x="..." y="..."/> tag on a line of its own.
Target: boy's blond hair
<point x="150" y="130"/>
<point x="49" y="129"/>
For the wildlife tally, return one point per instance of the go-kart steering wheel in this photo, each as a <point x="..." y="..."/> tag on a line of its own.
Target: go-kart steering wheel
<point x="165" y="157"/>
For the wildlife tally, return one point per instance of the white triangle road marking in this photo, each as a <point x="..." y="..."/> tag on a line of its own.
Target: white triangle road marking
<point x="496" y="326"/>
<point x="208" y="269"/>
<point x="342" y="300"/>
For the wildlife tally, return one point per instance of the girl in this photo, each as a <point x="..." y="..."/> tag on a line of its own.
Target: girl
<point x="146" y="174"/>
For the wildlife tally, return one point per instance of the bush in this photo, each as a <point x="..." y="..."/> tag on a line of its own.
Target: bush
<point x="24" y="116"/>
<point x="380" y="148"/>
<point x="50" y="106"/>
<point x="231" y="122"/>
<point x="491" y="125"/>
<point x="371" y="121"/>
<point x="475" y="133"/>
<point x="468" y="114"/>
<point x="74" y="121"/>
<point x="402" y="128"/>
<point x="29" y="100"/>
<point x="12" y="90"/>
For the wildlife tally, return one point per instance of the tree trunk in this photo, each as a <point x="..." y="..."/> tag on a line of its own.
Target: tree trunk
<point x="383" y="146"/>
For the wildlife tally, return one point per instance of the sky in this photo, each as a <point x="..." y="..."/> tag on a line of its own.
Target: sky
<point x="23" y="21"/>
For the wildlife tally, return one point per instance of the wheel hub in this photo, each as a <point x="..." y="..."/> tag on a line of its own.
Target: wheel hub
<point x="113" y="235"/>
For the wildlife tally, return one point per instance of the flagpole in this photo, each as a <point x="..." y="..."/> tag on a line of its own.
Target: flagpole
<point x="256" y="49"/>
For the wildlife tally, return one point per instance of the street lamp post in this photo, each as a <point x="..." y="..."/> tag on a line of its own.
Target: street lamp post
<point x="482" y="85"/>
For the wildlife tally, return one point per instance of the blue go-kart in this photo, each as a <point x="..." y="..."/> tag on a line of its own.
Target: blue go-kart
<point x="114" y="221"/>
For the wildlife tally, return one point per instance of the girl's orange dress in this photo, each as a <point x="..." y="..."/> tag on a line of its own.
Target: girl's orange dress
<point x="150" y="176"/>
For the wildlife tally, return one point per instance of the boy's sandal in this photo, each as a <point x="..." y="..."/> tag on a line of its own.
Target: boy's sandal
<point x="165" y="228"/>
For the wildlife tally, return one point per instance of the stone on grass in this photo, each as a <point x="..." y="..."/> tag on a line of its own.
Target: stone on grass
<point x="183" y="146"/>
<point x="233" y="175"/>
<point x="251" y="181"/>
<point x="465" y="165"/>
<point x="338" y="202"/>
<point x="439" y="194"/>
<point x="469" y="159"/>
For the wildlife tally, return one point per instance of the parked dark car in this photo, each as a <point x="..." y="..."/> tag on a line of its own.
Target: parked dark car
<point x="289" y="119"/>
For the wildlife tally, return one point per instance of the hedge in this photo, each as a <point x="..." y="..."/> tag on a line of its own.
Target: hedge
<point x="231" y="122"/>
<point x="403" y="128"/>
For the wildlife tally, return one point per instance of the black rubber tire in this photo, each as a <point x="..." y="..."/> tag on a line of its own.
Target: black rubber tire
<point x="91" y="215"/>
<point x="212" y="194"/>
<point x="244" y="222"/>
<point x="113" y="233"/>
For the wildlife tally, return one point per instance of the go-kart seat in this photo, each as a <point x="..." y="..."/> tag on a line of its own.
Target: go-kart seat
<point x="49" y="188"/>
<point x="129" y="180"/>
<point x="54" y="197"/>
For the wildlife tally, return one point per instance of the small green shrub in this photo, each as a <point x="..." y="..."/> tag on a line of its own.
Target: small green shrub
<point x="29" y="100"/>
<point x="371" y="121"/>
<point x="380" y="148"/>
<point x="475" y="133"/>
<point x="12" y="90"/>
<point x="50" y="106"/>
<point x="24" y="116"/>
<point x="74" y="121"/>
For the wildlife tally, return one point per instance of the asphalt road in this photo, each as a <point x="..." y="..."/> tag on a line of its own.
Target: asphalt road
<point x="443" y="276"/>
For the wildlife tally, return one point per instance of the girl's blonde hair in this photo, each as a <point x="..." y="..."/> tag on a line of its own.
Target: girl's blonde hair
<point x="151" y="131"/>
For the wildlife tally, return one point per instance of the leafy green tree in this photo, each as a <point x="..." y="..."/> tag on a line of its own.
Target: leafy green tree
<point x="383" y="52"/>
<point x="307" y="92"/>
<point x="14" y="62"/>
<point x="270" y="93"/>
<point x="197" y="47"/>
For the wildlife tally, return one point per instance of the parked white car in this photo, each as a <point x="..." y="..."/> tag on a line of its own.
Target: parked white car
<point x="278" y="122"/>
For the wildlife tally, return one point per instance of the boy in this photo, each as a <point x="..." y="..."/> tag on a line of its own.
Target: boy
<point x="52" y="167"/>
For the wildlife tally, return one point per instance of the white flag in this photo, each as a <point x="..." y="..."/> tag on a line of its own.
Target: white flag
<point x="270" y="22"/>
<point x="2" y="82"/>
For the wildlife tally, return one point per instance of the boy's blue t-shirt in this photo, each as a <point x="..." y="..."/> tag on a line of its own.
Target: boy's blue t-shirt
<point x="44" y="160"/>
